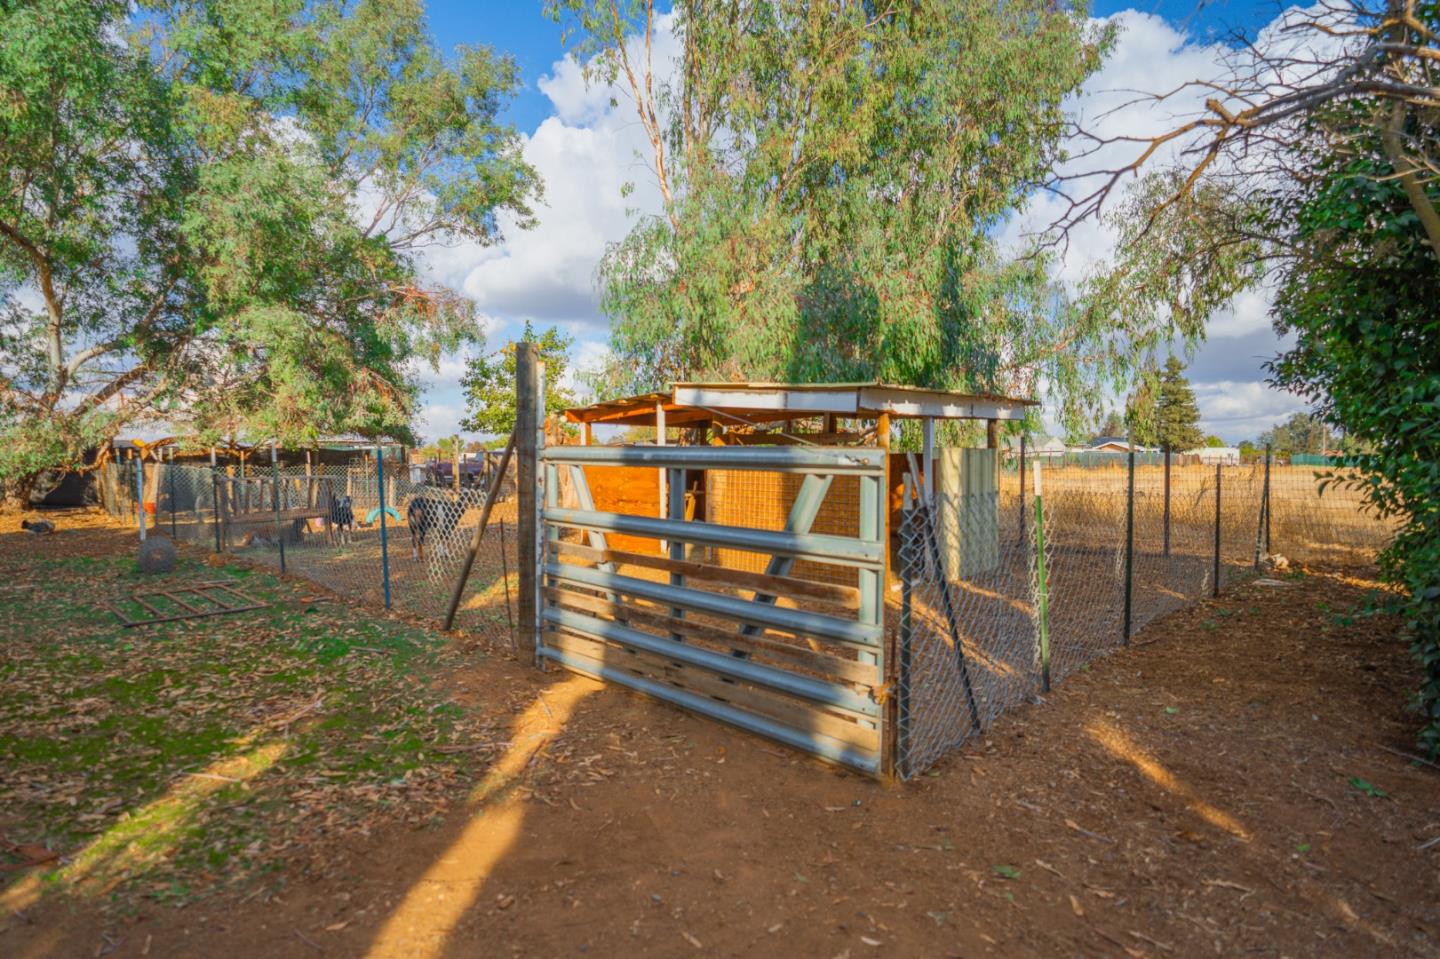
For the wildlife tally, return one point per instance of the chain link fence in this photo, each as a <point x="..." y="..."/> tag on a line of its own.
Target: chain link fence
<point x="377" y="537"/>
<point x="968" y="644"/>
<point x="1120" y="550"/>
<point x="998" y="595"/>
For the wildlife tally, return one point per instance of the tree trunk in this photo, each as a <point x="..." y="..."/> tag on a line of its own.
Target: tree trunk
<point x="15" y="492"/>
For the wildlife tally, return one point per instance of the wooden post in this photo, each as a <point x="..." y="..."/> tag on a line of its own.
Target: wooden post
<point x="992" y="442"/>
<point x="384" y="532"/>
<point x="1215" y="586"/>
<point x="275" y="500"/>
<point x="1262" y="533"/>
<point x="393" y="474"/>
<point x="882" y="439"/>
<point x="455" y="458"/>
<point x="1042" y="588"/>
<point x="660" y="441"/>
<point x="927" y="459"/>
<point x="170" y="475"/>
<point x="140" y="494"/>
<point x="890" y="742"/>
<point x="586" y="437"/>
<point x="527" y="429"/>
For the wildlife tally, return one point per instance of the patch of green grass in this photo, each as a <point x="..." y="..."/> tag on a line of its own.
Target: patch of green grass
<point x="134" y="750"/>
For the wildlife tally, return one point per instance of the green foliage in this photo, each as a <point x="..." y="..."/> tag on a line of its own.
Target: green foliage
<point x="1214" y="442"/>
<point x="1113" y="425"/>
<point x="216" y="207"/>
<point x="489" y="382"/>
<point x="1177" y="260"/>
<point x="835" y="180"/>
<point x="1358" y="296"/>
<point x="1301" y="433"/>
<point x="1169" y="417"/>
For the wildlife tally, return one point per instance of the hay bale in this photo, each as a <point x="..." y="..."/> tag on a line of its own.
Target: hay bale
<point x="157" y="555"/>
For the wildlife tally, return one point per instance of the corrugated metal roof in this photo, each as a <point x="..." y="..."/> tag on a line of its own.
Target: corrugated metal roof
<point x="694" y="403"/>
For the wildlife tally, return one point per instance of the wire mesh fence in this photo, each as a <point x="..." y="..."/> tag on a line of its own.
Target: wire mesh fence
<point x="976" y="632"/>
<point x="1118" y="549"/>
<point x="966" y="620"/>
<point x="371" y="534"/>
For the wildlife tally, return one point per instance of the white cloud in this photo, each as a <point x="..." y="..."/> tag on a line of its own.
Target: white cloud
<point x="587" y="154"/>
<point x="438" y="420"/>
<point x="1248" y="313"/>
<point x="1243" y="410"/>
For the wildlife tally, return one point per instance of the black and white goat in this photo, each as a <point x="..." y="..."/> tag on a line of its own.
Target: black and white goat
<point x="342" y="518"/>
<point x="432" y="516"/>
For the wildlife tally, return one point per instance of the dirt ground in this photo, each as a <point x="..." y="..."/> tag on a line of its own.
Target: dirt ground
<point x="1230" y="785"/>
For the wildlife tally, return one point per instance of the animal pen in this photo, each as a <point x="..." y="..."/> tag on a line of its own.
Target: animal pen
<point x="770" y="562"/>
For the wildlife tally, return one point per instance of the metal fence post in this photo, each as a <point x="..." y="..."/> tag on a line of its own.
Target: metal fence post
<point x="1042" y="587"/>
<point x="215" y="497"/>
<point x="275" y="500"/>
<point x="384" y="537"/>
<point x="1215" y="586"/>
<point x="1264" y="512"/>
<point x="1167" y="501"/>
<point x="1129" y="548"/>
<point x="527" y="426"/>
<point x="170" y="477"/>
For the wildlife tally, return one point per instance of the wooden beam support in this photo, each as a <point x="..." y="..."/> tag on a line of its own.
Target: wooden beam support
<point x="527" y="430"/>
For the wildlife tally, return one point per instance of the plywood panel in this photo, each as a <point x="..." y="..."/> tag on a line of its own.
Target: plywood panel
<point x="634" y="490"/>
<point x="969" y="511"/>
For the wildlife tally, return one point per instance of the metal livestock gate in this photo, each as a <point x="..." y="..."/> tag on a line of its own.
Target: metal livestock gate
<point x="796" y="655"/>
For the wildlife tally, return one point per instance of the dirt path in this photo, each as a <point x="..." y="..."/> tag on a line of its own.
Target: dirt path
<point x="1221" y="788"/>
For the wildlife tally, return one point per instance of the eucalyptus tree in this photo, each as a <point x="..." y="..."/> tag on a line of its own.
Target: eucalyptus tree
<point x="211" y="213"/>
<point x="836" y="180"/>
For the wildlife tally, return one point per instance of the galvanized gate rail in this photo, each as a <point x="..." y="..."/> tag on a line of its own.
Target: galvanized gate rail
<point x="797" y="660"/>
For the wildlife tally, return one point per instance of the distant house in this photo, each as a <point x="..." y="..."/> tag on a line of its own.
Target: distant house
<point x="1216" y="455"/>
<point x="1042" y="446"/>
<point x="1115" y="444"/>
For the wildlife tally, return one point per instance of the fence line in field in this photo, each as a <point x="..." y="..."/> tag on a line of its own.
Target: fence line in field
<point x="326" y="523"/>
<point x="1079" y="570"/>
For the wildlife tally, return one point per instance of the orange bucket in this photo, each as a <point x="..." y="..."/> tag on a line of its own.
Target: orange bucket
<point x="149" y="509"/>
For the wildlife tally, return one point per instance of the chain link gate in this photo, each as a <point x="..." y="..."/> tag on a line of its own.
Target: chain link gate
<point x="968" y="644"/>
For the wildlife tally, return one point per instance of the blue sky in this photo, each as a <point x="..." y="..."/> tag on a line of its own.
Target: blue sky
<point x="585" y="150"/>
